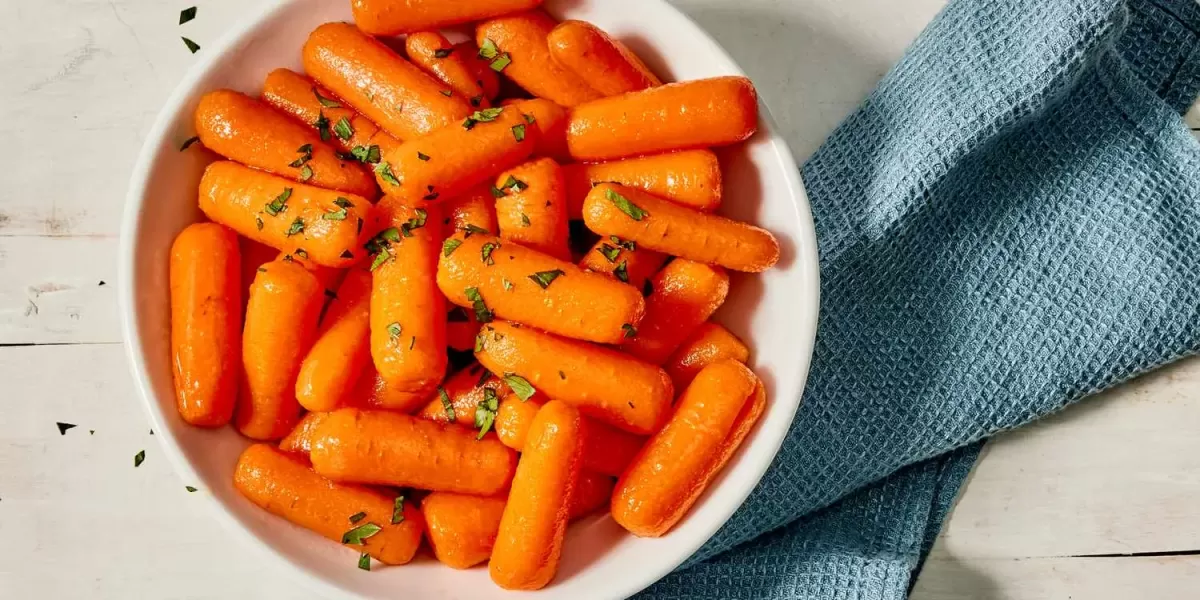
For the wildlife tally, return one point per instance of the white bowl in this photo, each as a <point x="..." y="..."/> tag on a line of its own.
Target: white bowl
<point x="775" y="312"/>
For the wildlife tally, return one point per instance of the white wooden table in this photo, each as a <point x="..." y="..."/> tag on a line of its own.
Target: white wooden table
<point x="1101" y="502"/>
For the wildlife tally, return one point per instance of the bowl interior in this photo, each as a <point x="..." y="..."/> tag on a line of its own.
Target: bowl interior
<point x="774" y="312"/>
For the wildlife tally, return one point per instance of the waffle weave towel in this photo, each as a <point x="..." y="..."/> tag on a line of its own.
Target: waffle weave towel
<point x="1008" y="224"/>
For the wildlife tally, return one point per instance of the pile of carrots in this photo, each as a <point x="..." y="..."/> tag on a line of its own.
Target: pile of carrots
<point x="378" y="210"/>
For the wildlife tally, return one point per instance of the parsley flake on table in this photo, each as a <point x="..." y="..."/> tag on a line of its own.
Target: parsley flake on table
<point x="187" y="14"/>
<point x="63" y="427"/>
<point x="192" y="46"/>
<point x="139" y="458"/>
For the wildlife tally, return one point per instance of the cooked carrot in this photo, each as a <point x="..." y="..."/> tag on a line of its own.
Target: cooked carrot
<point x="301" y="97"/>
<point x="432" y="52"/>
<point x="474" y="209"/>
<point x="324" y="223"/>
<point x="550" y="120"/>
<point x="342" y="349"/>
<point x="383" y="447"/>
<point x="299" y="441"/>
<point x="462" y="529"/>
<point x="329" y="277"/>
<point x="365" y="520"/>
<point x="529" y="543"/>
<point x="632" y="214"/>
<point x="408" y="314"/>
<point x="746" y="419"/>
<point x="485" y="76"/>
<point x="623" y="260"/>
<point x="458" y="398"/>
<point x="392" y="92"/>
<point x="518" y="44"/>
<point x="606" y="449"/>
<point x="532" y="210"/>
<point x="452" y="160"/>
<point x="254" y="255"/>
<point x="371" y="391"/>
<point x="206" y="310"/>
<point x="281" y="323"/>
<point x="605" y="384"/>
<point x="461" y="329"/>
<point x="707" y="345"/>
<point x="685" y="294"/>
<point x="491" y="276"/>
<point x="678" y="462"/>
<point x="676" y="116"/>
<point x="389" y="17"/>
<point x="689" y="177"/>
<point x="606" y="64"/>
<point x="241" y="128"/>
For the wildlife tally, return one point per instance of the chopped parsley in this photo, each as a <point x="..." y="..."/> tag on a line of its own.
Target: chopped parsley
<point x="364" y="561"/>
<point x="279" y="204"/>
<point x="488" y="50"/>
<point x="482" y="313"/>
<point x="422" y="156"/>
<point x="634" y="211"/>
<point x="366" y="154"/>
<point x="187" y="14"/>
<point x="630" y="330"/>
<point x="508" y="285"/>
<point x="485" y="412"/>
<point x="447" y="405"/>
<point x="192" y="46"/>
<point x="394" y="330"/>
<point x="306" y="173"/>
<point x="486" y="115"/>
<point x="343" y="129"/>
<point x="525" y="222"/>
<point x="447" y="93"/>
<point x="384" y="170"/>
<point x="306" y="152"/>
<point x="450" y="245"/>
<point x="322" y="125"/>
<point x="398" y="510"/>
<point x="63" y="427"/>
<point x="297" y="227"/>
<point x="520" y="386"/>
<point x="190" y="489"/>
<point x="622" y="271"/>
<point x="358" y="516"/>
<point x="359" y="534"/>
<point x="609" y="252"/>
<point x="471" y="229"/>
<point x="188" y="142"/>
<point x="519" y="132"/>
<point x="499" y="63"/>
<point x="326" y="102"/>
<point x="139" y="458"/>
<point x="486" y="251"/>
<point x="416" y="222"/>
<point x="545" y="278"/>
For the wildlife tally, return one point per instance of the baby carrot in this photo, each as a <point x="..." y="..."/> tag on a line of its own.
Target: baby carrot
<point x="517" y="44"/>
<point x="685" y="295"/>
<point x="461" y="329"/>
<point x="452" y="160"/>
<point x="550" y="120"/>
<point x="392" y="92"/>
<point x="472" y="210"/>
<point x="532" y="210"/>
<point x="299" y="441"/>
<point x="281" y="322"/>
<point x="606" y="449"/>
<point x="408" y="314"/>
<point x="432" y="52"/>
<point x="623" y="260"/>
<point x="529" y="543"/>
<point x="689" y="177"/>
<point x="307" y="102"/>
<point x="254" y="255"/>
<point x="606" y="64"/>
<point x="605" y="384"/>
<point x="388" y="17"/>
<point x="707" y="345"/>
<point x="342" y="349"/>
<point x="676" y="116"/>
<point x="367" y="521"/>
<point x="677" y="463"/>
<point x="592" y="490"/>
<point x="456" y="401"/>
<point x="241" y="128"/>
<point x="329" y="277"/>
<point x="494" y="277"/>
<point x="634" y="215"/>
<point x="206" y="311"/>
<point x="285" y="215"/>
<point x="387" y="448"/>
<point x="481" y="68"/>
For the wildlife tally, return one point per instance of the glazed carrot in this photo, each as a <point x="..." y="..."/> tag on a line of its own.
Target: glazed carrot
<point x="284" y="486"/>
<point x="491" y="276"/>
<point x="408" y="314"/>
<point x="592" y="490"/>
<point x="606" y="64"/>
<point x="533" y="208"/>
<point x="550" y="120"/>
<point x="299" y="441"/>
<point x="707" y="345"/>
<point x="606" y="449"/>
<point x="281" y="322"/>
<point x="518" y="43"/>
<point x="383" y="447"/>
<point x="206" y="310"/>
<point x="452" y="160"/>
<point x="485" y="76"/>
<point x="463" y="392"/>
<point x="389" y="17"/>
<point x="605" y="384"/>
<point x="241" y="128"/>
<point x="304" y="100"/>
<point x="372" y="391"/>
<point x="342" y="349"/>
<point x="529" y="543"/>
<point x="676" y="116"/>
<point x="623" y="260"/>
<point x="392" y="92"/>
<point x="632" y="214"/>
<point x="461" y="328"/>
<point x="432" y="52"/>
<point x="689" y="177"/>
<point x="476" y="208"/>
<point x="685" y="295"/>
<point x="293" y="215"/>
<point x="746" y="419"/>
<point x="254" y="255"/>
<point x="329" y="277"/>
<point x="677" y="463"/>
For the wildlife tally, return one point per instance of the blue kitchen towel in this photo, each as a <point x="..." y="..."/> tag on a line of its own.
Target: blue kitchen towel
<point x="1008" y="224"/>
